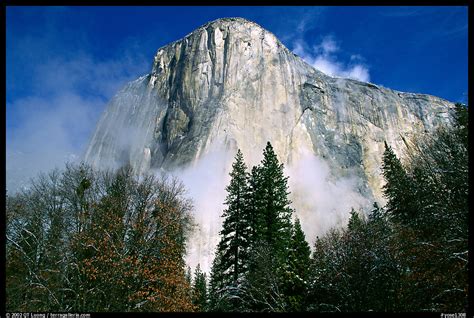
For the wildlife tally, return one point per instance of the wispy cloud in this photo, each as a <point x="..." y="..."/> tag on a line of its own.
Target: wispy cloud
<point x="434" y="22"/>
<point x="297" y="21"/>
<point x="457" y="30"/>
<point x="323" y="56"/>
<point x="402" y="12"/>
<point x="54" y="99"/>
<point x="51" y="132"/>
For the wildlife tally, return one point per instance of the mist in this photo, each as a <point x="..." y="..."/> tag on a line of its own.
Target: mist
<point x="52" y="112"/>
<point x="205" y="181"/>
<point x="50" y="134"/>
<point x="320" y="200"/>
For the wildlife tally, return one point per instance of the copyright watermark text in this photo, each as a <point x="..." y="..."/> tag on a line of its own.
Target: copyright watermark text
<point x="455" y="315"/>
<point x="46" y="315"/>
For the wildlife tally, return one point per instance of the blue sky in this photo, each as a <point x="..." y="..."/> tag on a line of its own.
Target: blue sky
<point x="65" y="63"/>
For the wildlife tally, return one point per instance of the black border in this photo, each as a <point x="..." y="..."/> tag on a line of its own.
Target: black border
<point x="7" y="3"/>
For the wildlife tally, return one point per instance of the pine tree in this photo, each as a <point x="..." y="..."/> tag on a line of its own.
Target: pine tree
<point x="271" y="233"/>
<point x="397" y="189"/>
<point x="216" y="294"/>
<point x="438" y="168"/>
<point x="300" y="250"/>
<point x="235" y="231"/>
<point x="376" y="213"/>
<point x="189" y="276"/>
<point x="255" y="204"/>
<point x="355" y="222"/>
<point x="272" y="203"/>
<point x="199" y="289"/>
<point x="235" y="235"/>
<point x="297" y="270"/>
<point x="189" y="282"/>
<point x="355" y="261"/>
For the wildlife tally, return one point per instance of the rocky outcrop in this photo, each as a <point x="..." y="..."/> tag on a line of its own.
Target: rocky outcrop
<point x="232" y="84"/>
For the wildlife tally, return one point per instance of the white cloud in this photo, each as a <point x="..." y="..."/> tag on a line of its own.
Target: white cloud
<point x="327" y="46"/>
<point x="50" y="134"/>
<point x="300" y="19"/>
<point x="323" y="57"/>
<point x="357" y="57"/>
<point x="52" y="121"/>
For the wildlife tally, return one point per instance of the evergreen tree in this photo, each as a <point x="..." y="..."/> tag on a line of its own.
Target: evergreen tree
<point x="216" y="295"/>
<point x="189" y="276"/>
<point x="397" y="189"/>
<point x="438" y="171"/>
<point x="271" y="202"/>
<point x="189" y="281"/>
<point x="199" y="289"/>
<point x="355" y="223"/>
<point x="255" y="204"/>
<point x="376" y="213"/>
<point x="355" y="262"/>
<point x="235" y="235"/>
<point x="297" y="270"/>
<point x="271" y="233"/>
<point x="236" y="227"/>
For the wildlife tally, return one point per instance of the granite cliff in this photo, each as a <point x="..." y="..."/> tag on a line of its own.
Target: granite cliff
<point x="231" y="84"/>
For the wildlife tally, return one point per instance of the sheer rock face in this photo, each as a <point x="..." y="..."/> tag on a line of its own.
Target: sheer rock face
<point x="232" y="84"/>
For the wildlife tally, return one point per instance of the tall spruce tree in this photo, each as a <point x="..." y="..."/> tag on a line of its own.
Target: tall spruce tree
<point x="384" y="272"/>
<point x="297" y="270"/>
<point x="235" y="236"/>
<point x="356" y="262"/>
<point x="272" y="205"/>
<point x="217" y="289"/>
<point x="199" y="288"/>
<point x="270" y="216"/>
<point x="397" y="189"/>
<point x="255" y="204"/>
